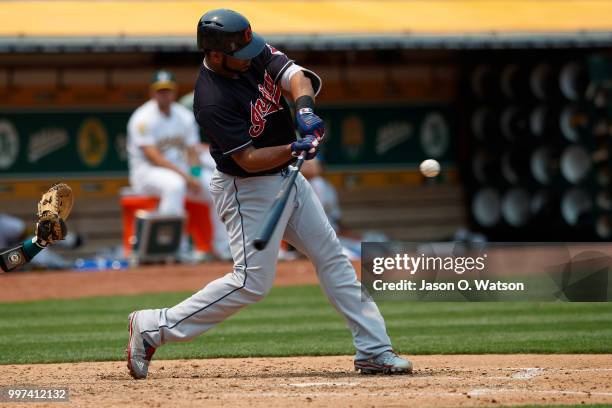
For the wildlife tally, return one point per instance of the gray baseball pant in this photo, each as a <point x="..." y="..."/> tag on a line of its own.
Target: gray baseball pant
<point x="242" y="204"/>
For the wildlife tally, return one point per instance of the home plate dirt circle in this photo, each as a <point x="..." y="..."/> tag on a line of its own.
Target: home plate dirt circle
<point x="453" y="380"/>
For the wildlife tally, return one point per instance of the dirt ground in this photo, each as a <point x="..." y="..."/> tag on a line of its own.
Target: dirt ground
<point x="19" y="286"/>
<point x="459" y="380"/>
<point x="489" y="380"/>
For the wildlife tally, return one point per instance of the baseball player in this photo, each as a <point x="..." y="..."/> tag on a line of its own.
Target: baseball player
<point x="162" y="155"/>
<point x="239" y="106"/>
<point x="325" y="191"/>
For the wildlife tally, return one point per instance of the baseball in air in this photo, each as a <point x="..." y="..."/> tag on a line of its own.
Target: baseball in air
<point x="430" y="168"/>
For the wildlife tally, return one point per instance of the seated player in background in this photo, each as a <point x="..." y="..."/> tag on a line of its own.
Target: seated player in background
<point x="325" y="191"/>
<point x="163" y="156"/>
<point x="12" y="230"/>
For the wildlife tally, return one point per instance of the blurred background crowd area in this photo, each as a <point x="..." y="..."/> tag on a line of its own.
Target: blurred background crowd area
<point x="512" y="97"/>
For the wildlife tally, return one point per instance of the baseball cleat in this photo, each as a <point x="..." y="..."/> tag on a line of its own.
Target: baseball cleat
<point x="387" y="362"/>
<point x="139" y="352"/>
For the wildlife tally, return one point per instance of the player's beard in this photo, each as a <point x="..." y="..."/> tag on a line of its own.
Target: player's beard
<point x="232" y="70"/>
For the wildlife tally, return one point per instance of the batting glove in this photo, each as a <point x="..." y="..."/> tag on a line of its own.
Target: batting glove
<point x="309" y="144"/>
<point x="310" y="124"/>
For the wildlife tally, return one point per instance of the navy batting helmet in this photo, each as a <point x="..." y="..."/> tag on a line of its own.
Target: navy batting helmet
<point x="230" y="33"/>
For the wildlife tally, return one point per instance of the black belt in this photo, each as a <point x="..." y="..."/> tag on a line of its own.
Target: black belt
<point x="283" y="172"/>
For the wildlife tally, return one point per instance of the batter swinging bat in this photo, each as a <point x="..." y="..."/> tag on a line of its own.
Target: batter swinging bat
<point x="277" y="207"/>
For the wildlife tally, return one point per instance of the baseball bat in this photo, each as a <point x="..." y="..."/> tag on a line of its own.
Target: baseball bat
<point x="276" y="209"/>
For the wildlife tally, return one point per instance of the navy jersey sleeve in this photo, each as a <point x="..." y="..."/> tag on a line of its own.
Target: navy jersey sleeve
<point x="275" y="62"/>
<point x="225" y="128"/>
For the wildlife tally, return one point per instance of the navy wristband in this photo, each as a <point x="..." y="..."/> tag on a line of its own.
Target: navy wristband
<point x="304" y="101"/>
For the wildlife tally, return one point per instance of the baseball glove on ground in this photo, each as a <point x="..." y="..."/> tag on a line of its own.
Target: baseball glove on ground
<point x="53" y="210"/>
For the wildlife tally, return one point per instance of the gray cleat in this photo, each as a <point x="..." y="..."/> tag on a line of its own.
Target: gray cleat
<point x="139" y="352"/>
<point x="388" y="362"/>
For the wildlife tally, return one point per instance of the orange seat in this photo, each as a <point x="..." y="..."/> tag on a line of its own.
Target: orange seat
<point x="199" y="226"/>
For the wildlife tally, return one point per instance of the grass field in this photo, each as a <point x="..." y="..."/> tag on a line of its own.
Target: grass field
<point x="299" y="321"/>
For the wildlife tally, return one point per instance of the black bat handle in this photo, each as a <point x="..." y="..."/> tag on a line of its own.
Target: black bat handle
<point x="277" y="208"/>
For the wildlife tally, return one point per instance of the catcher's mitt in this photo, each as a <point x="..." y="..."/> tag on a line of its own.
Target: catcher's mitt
<point x="53" y="209"/>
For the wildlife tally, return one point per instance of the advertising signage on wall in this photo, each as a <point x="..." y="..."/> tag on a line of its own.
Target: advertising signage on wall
<point x="41" y="144"/>
<point x="387" y="136"/>
<point x="44" y="143"/>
